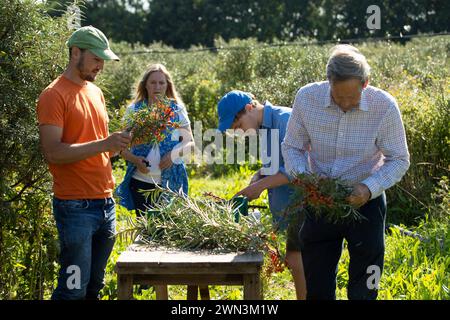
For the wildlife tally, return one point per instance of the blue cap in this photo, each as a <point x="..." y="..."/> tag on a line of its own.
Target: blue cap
<point x="229" y="106"/>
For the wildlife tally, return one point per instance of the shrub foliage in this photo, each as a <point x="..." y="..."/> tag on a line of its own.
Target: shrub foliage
<point x="33" y="53"/>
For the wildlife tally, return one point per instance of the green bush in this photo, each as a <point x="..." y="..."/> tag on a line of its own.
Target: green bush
<point x="32" y="54"/>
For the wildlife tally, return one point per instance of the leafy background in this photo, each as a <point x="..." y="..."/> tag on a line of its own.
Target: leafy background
<point x="33" y="53"/>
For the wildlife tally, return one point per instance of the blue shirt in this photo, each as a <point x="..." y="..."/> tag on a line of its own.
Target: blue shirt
<point x="275" y="121"/>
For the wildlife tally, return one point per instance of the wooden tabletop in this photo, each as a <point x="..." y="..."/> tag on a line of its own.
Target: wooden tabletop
<point x="150" y="256"/>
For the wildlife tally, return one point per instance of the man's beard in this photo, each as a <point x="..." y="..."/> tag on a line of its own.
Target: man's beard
<point x="83" y="75"/>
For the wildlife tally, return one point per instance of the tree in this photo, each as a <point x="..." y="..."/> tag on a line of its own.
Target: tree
<point x="183" y="23"/>
<point x="32" y="54"/>
<point x="120" y="20"/>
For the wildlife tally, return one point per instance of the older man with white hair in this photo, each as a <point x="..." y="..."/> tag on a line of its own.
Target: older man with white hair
<point x="344" y="128"/>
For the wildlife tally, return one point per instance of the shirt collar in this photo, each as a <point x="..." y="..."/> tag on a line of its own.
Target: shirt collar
<point x="267" y="116"/>
<point x="328" y="102"/>
<point x="363" y="103"/>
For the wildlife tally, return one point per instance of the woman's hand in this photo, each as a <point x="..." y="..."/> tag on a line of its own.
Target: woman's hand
<point x="166" y="162"/>
<point x="141" y="164"/>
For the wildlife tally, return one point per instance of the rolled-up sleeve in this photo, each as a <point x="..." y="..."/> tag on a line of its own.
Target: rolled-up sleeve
<point x="391" y="141"/>
<point x="296" y="142"/>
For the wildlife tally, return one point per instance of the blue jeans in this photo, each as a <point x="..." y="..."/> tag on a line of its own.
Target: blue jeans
<point x="86" y="230"/>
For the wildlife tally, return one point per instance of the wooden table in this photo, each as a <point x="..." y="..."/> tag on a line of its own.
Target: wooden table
<point x="142" y="264"/>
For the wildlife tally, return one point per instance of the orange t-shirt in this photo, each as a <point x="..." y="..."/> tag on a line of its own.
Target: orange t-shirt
<point x="81" y="112"/>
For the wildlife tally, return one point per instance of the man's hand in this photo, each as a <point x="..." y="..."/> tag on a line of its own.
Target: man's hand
<point x="118" y="141"/>
<point x="252" y="192"/>
<point x="141" y="165"/>
<point x="166" y="161"/>
<point x="359" y="196"/>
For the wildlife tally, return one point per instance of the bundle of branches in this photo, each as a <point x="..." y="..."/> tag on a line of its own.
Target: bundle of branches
<point x="151" y="124"/>
<point x="324" y="197"/>
<point x="177" y="221"/>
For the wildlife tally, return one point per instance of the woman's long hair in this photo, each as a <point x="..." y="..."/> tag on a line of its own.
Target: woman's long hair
<point x="171" y="92"/>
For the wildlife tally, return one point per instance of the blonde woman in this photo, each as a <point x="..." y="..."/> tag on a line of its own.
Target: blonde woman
<point x="150" y="165"/>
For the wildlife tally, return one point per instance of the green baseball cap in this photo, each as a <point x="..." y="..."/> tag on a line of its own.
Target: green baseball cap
<point x="94" y="40"/>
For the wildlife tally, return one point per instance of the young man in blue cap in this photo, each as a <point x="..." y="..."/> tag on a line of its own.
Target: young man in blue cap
<point x="240" y="110"/>
<point x="73" y="127"/>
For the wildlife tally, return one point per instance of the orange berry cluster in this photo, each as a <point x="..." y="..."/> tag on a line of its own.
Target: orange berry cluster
<point x="151" y="124"/>
<point x="313" y="196"/>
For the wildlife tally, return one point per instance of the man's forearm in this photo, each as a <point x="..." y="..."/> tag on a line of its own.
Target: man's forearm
<point x="274" y="181"/>
<point x="65" y="153"/>
<point x="391" y="141"/>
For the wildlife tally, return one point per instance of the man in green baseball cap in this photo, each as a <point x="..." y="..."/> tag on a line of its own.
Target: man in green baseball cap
<point x="75" y="140"/>
<point x="94" y="40"/>
<point x="88" y="50"/>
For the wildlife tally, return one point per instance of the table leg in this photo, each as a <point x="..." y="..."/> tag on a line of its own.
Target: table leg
<point x="124" y="287"/>
<point x="204" y="293"/>
<point x="252" y="287"/>
<point x="192" y="292"/>
<point x="161" y="292"/>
